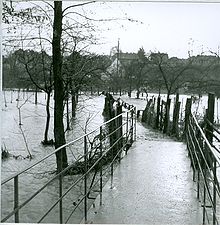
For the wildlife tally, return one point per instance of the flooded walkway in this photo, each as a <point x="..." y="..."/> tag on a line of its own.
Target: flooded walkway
<point x="152" y="185"/>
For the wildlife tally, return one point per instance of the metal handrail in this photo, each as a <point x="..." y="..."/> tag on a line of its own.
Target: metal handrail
<point x="203" y="166"/>
<point x="213" y="126"/>
<point x="61" y="147"/>
<point x="205" y="139"/>
<point x="17" y="207"/>
<point x="203" y="176"/>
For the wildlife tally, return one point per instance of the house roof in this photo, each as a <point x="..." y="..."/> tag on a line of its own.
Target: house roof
<point x="123" y="57"/>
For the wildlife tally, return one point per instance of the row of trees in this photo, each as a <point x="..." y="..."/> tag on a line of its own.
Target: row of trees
<point x="158" y="72"/>
<point x="31" y="69"/>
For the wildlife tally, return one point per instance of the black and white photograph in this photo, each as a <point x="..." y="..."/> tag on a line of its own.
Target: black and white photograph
<point x="110" y="112"/>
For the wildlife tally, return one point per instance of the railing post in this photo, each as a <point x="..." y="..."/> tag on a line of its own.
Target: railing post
<point x="85" y="179"/>
<point x="161" y="115"/>
<point x="112" y="158"/>
<point x="119" y="122"/>
<point x="201" y="161"/>
<point x="112" y="168"/>
<point x="61" y="189"/>
<point x="214" y="192"/>
<point x="198" y="184"/>
<point x="135" y="120"/>
<point x="204" y="198"/>
<point x="100" y="139"/>
<point x="16" y="199"/>
<point x="127" y="134"/>
<point x="132" y="125"/>
<point x="60" y="195"/>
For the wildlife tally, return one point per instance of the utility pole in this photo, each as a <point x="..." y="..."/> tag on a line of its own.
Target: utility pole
<point x="118" y="67"/>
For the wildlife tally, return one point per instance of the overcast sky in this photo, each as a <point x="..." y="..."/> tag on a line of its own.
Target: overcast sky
<point x="175" y="28"/>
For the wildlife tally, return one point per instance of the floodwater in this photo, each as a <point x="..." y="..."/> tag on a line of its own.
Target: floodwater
<point x="33" y="124"/>
<point x="89" y="117"/>
<point x="33" y="117"/>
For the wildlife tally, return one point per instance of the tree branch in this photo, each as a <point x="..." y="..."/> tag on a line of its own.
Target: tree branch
<point x="73" y="6"/>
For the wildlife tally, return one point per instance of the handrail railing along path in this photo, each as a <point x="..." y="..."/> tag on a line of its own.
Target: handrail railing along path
<point x="205" y="163"/>
<point x="73" y="189"/>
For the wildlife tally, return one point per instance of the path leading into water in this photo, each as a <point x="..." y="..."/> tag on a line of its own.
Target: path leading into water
<point x="152" y="185"/>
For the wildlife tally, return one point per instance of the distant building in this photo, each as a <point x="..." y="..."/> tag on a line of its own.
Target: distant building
<point x="119" y="61"/>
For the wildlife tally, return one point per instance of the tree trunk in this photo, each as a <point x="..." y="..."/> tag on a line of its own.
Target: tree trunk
<point x="138" y="94"/>
<point x="35" y="96"/>
<point x="91" y="89"/>
<point x="67" y="113"/>
<point x="73" y="104"/>
<point x="59" y="136"/>
<point x="129" y="91"/>
<point x="77" y="96"/>
<point x="48" y="118"/>
<point x="11" y="96"/>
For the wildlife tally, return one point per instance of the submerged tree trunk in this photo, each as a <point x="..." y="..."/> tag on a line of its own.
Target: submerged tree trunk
<point x="73" y="105"/>
<point x="59" y="136"/>
<point x="138" y="94"/>
<point x="35" y="102"/>
<point x="91" y="90"/>
<point x="45" y="141"/>
<point x="67" y="113"/>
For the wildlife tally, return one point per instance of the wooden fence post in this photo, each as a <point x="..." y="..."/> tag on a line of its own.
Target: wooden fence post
<point x="150" y="112"/>
<point x="187" y="114"/>
<point x="175" y="104"/>
<point x="167" y="116"/>
<point x="161" y="115"/>
<point x="175" y="128"/>
<point x="209" y="129"/>
<point x="138" y="113"/>
<point x="176" y="111"/>
<point x="210" y="117"/>
<point x="158" y="113"/>
<point x="145" y="112"/>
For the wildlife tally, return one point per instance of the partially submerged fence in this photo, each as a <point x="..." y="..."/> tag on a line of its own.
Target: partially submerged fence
<point x="55" y="197"/>
<point x="157" y="114"/>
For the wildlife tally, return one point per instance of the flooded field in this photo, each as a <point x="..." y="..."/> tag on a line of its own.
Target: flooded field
<point x="89" y="116"/>
<point x="33" y="117"/>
